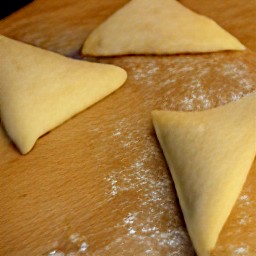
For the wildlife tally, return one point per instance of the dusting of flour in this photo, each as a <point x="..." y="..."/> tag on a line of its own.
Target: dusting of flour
<point x="204" y="83"/>
<point x="138" y="179"/>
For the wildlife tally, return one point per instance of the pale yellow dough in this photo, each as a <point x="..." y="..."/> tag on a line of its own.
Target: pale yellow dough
<point x="157" y="27"/>
<point x="40" y="90"/>
<point x="209" y="154"/>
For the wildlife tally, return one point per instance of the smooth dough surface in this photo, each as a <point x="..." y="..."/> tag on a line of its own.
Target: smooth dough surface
<point x="40" y="90"/>
<point x="157" y="27"/>
<point x="209" y="154"/>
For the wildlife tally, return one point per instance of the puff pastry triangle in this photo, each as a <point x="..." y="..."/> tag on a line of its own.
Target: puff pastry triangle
<point x="209" y="154"/>
<point x="40" y="90"/>
<point x="157" y="27"/>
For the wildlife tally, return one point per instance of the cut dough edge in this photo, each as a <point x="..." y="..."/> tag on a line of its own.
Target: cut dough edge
<point x="157" y="27"/>
<point x="39" y="89"/>
<point x="209" y="154"/>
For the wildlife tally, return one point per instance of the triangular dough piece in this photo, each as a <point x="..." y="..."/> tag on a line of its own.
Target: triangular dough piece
<point x="157" y="27"/>
<point x="40" y="90"/>
<point x="209" y="154"/>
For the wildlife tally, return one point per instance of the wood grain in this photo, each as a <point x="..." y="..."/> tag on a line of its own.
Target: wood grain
<point x="102" y="174"/>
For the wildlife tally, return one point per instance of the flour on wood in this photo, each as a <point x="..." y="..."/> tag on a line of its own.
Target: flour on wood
<point x="136" y="176"/>
<point x="192" y="74"/>
<point x="232" y="79"/>
<point x="74" y="245"/>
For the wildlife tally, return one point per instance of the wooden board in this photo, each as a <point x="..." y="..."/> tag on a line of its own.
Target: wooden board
<point x="99" y="184"/>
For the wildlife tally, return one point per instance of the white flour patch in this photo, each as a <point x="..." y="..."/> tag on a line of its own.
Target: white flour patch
<point x="83" y="247"/>
<point x="245" y="219"/>
<point x="147" y="231"/>
<point x="76" y="241"/>
<point x="130" y="218"/>
<point x="113" y="182"/>
<point x="56" y="253"/>
<point x="240" y="251"/>
<point x="244" y="203"/>
<point x="140" y="175"/>
<point x="131" y="231"/>
<point x="192" y="74"/>
<point x="245" y="199"/>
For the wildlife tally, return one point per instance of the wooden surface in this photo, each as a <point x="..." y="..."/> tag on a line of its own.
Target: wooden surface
<point x="100" y="180"/>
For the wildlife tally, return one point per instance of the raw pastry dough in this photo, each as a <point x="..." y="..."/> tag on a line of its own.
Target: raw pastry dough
<point x="209" y="154"/>
<point x="40" y="89"/>
<point x="157" y="27"/>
